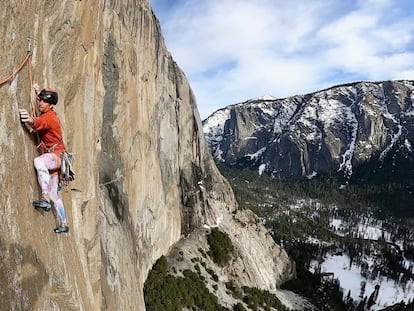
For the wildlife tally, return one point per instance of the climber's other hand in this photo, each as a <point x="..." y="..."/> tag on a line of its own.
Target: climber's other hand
<point x="25" y="116"/>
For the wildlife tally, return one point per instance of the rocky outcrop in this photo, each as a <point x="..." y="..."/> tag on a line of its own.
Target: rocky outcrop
<point x="144" y="176"/>
<point x="340" y="129"/>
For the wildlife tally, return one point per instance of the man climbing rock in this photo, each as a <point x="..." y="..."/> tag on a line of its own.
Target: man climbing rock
<point x="51" y="145"/>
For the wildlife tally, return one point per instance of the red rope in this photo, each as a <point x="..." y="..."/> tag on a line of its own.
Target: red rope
<point x="32" y="98"/>
<point x="15" y="72"/>
<point x="11" y="76"/>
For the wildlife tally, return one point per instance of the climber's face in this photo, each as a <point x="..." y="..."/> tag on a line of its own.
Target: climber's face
<point x="43" y="106"/>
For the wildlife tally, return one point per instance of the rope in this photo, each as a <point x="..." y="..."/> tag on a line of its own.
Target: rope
<point x="10" y="77"/>
<point x="16" y="71"/>
<point x="32" y="98"/>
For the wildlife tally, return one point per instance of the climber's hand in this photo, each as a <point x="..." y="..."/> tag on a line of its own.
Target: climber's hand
<point x="36" y="88"/>
<point x="25" y="116"/>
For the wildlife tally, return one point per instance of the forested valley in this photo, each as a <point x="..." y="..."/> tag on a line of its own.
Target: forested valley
<point x="365" y="228"/>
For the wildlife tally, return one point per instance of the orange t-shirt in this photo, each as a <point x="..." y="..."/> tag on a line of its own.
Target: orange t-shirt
<point x="50" y="132"/>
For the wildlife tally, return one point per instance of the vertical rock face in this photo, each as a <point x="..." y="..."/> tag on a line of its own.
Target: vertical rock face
<point x="144" y="177"/>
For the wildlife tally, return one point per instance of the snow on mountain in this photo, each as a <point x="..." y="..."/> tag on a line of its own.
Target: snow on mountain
<point x="265" y="97"/>
<point x="333" y="130"/>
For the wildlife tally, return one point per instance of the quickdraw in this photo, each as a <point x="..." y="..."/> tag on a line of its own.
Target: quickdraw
<point x="66" y="174"/>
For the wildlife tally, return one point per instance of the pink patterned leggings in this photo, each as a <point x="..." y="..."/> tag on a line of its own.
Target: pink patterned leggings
<point x="49" y="183"/>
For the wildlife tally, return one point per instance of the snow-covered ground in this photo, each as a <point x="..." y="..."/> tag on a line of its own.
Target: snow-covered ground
<point x="350" y="279"/>
<point x="367" y="229"/>
<point x="350" y="276"/>
<point x="372" y="230"/>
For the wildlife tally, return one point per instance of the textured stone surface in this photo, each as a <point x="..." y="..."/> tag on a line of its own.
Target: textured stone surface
<point x="144" y="180"/>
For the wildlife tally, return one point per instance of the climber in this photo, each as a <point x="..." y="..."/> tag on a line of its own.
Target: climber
<point x="47" y="165"/>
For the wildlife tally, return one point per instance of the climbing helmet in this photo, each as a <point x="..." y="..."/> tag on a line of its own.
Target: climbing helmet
<point x="49" y="96"/>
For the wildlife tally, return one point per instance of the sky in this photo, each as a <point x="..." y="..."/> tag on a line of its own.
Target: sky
<point x="235" y="50"/>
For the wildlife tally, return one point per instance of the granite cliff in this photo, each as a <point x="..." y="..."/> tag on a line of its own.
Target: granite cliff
<point x="145" y="181"/>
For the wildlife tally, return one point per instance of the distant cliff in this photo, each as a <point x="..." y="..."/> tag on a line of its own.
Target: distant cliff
<point x="341" y="131"/>
<point x="144" y="176"/>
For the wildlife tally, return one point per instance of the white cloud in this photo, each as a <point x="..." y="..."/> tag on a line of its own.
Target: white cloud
<point x="234" y="50"/>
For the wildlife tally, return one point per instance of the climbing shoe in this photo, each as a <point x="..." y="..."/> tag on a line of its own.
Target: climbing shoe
<point x="44" y="204"/>
<point x="63" y="229"/>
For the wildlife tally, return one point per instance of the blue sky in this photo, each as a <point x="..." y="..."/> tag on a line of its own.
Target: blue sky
<point x="235" y="50"/>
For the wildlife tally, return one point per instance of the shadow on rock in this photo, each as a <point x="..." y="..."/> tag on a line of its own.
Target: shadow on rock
<point x="22" y="276"/>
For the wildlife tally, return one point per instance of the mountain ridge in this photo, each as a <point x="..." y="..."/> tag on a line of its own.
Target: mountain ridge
<point x="323" y="132"/>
